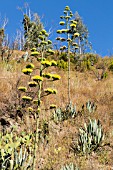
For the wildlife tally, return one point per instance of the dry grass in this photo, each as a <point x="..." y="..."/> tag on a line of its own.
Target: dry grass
<point x="84" y="87"/>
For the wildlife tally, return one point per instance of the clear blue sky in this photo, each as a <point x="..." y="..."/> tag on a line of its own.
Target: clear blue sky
<point x="96" y="14"/>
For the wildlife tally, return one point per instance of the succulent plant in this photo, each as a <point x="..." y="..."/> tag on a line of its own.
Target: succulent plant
<point x="70" y="166"/>
<point x="14" y="152"/>
<point x="60" y="115"/>
<point x="91" y="106"/>
<point x="90" y="137"/>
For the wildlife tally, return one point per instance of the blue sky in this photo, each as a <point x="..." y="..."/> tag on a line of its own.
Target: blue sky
<point x="97" y="15"/>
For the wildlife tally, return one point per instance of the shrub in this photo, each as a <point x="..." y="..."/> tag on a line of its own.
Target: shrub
<point x="62" y="64"/>
<point x="111" y="66"/>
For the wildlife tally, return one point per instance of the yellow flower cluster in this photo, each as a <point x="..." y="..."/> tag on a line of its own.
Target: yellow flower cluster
<point x="53" y="63"/>
<point x="50" y="91"/>
<point x="49" y="42"/>
<point x="55" y="77"/>
<point x="67" y="8"/>
<point x="47" y="75"/>
<point x="30" y="109"/>
<point x="37" y="78"/>
<point x="73" y="25"/>
<point x="30" y="65"/>
<point x="76" y="34"/>
<point x="26" y="98"/>
<point x="35" y="53"/>
<point x="27" y="71"/>
<point x="46" y="63"/>
<point x="53" y="106"/>
<point x="32" y="84"/>
<point x="21" y="88"/>
<point x="33" y="49"/>
<point x="61" y="22"/>
<point x="50" y="51"/>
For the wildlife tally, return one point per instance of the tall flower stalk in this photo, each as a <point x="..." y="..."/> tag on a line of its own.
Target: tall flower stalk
<point x="44" y="47"/>
<point x="70" y="38"/>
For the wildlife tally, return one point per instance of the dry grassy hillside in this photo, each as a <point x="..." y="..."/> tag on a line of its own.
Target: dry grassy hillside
<point x="84" y="87"/>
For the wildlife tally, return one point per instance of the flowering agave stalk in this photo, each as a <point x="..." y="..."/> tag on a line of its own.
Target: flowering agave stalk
<point x="44" y="47"/>
<point x="70" y="37"/>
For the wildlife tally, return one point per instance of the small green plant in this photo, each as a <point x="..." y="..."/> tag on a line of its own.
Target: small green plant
<point x="90" y="137"/>
<point x="60" y="115"/>
<point x="91" y="106"/>
<point x="70" y="166"/>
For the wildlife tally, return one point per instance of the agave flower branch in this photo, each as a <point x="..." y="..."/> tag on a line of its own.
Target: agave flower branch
<point x="36" y="82"/>
<point x="70" y="34"/>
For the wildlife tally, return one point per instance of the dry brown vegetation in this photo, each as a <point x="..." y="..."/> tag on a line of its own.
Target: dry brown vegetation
<point x="58" y="151"/>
